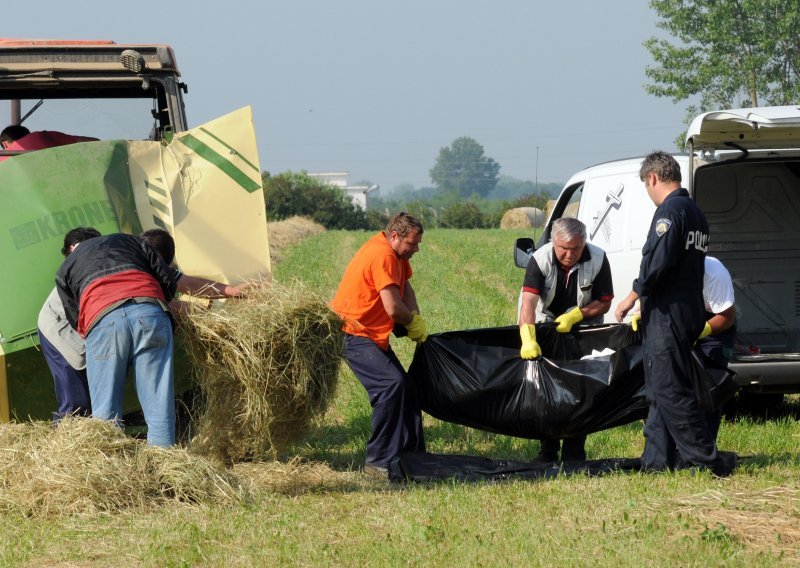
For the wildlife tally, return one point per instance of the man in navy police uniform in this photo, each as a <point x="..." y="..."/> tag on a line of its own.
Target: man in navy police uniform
<point x="670" y="290"/>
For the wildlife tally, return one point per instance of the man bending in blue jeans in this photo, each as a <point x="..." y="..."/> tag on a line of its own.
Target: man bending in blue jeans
<point x="115" y="290"/>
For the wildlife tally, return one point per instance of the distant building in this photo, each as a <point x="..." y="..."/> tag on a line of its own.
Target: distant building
<point x="357" y="193"/>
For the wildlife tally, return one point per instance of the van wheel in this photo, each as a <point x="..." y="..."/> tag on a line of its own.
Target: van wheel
<point x="754" y="405"/>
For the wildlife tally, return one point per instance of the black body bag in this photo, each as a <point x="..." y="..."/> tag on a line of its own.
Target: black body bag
<point x="477" y="378"/>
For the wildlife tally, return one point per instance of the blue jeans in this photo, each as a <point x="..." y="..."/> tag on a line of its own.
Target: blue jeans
<point x="137" y="335"/>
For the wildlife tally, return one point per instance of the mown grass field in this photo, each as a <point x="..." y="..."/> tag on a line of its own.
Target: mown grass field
<point x="463" y="279"/>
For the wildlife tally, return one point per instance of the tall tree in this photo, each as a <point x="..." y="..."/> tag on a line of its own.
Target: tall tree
<point x="464" y="169"/>
<point x="728" y="52"/>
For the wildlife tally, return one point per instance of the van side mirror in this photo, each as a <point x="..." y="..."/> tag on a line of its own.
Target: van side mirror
<point x="523" y="249"/>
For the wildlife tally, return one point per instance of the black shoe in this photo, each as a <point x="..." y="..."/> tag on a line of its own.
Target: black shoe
<point x="727" y="463"/>
<point x="377" y="471"/>
<point x="573" y="449"/>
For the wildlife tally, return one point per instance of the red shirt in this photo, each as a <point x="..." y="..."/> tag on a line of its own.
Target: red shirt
<point x="42" y="139"/>
<point x="104" y="293"/>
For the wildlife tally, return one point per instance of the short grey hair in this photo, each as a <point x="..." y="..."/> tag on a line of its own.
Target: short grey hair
<point x="567" y="228"/>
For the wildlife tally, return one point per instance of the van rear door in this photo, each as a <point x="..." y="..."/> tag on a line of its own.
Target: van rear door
<point x="747" y="128"/>
<point x="750" y="193"/>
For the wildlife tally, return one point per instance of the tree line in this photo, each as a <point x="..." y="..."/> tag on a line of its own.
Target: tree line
<point x="467" y="193"/>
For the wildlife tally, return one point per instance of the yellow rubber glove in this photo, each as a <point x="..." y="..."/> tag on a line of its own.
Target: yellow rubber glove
<point x="530" y="349"/>
<point x="567" y="320"/>
<point x="637" y="317"/>
<point x="706" y="331"/>
<point x="417" y="329"/>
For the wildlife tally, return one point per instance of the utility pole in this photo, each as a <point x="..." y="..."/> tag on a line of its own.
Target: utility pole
<point x="16" y="111"/>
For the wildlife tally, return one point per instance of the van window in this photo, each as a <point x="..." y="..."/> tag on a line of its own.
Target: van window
<point x="567" y="206"/>
<point x="572" y="206"/>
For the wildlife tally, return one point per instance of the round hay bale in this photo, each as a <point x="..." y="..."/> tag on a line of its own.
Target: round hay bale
<point x="282" y="234"/>
<point x="87" y="466"/>
<point x="522" y="217"/>
<point x="551" y="203"/>
<point x="267" y="367"/>
<point x="571" y="210"/>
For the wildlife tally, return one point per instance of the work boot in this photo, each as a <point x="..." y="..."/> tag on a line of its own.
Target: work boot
<point x="377" y="471"/>
<point x="548" y="451"/>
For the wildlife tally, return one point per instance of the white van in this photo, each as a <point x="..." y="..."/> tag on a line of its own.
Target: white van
<point x="743" y="170"/>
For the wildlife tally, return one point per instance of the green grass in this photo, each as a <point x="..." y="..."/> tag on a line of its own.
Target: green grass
<point x="463" y="279"/>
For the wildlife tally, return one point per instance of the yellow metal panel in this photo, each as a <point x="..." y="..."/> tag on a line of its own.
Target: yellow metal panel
<point x="205" y="188"/>
<point x="5" y="412"/>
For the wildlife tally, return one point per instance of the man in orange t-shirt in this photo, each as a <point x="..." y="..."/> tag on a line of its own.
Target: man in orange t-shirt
<point x="373" y="296"/>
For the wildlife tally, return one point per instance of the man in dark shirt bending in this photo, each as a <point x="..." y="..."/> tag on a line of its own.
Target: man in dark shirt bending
<point x="115" y="292"/>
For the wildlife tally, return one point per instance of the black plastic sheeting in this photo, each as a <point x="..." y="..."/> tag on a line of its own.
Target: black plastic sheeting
<point x="477" y="378"/>
<point x="425" y="467"/>
<point x="713" y="385"/>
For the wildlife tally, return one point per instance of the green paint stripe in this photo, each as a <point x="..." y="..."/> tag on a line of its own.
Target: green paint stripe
<point x="159" y="206"/>
<point x="160" y="223"/>
<point x="231" y="148"/>
<point x="207" y="153"/>
<point x="156" y="189"/>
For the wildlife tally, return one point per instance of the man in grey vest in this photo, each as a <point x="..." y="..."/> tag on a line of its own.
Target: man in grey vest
<point x="567" y="281"/>
<point x="64" y="350"/>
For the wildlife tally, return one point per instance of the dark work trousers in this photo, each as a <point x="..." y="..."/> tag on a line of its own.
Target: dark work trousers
<point x="572" y="449"/>
<point x="396" y="415"/>
<point x="72" y="388"/>
<point x="677" y="432"/>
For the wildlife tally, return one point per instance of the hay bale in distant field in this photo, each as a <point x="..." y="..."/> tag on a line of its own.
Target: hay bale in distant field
<point x="522" y="217"/>
<point x="87" y="466"/>
<point x="282" y="234"/>
<point x="571" y="210"/>
<point x="551" y="203"/>
<point x="267" y="366"/>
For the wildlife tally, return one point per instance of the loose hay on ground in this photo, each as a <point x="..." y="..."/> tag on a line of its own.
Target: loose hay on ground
<point x="297" y="477"/>
<point x="282" y="234"/>
<point x="88" y="466"/>
<point x="765" y="520"/>
<point x="267" y="367"/>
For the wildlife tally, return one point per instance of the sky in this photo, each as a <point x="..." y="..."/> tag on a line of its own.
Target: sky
<point x="376" y="88"/>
